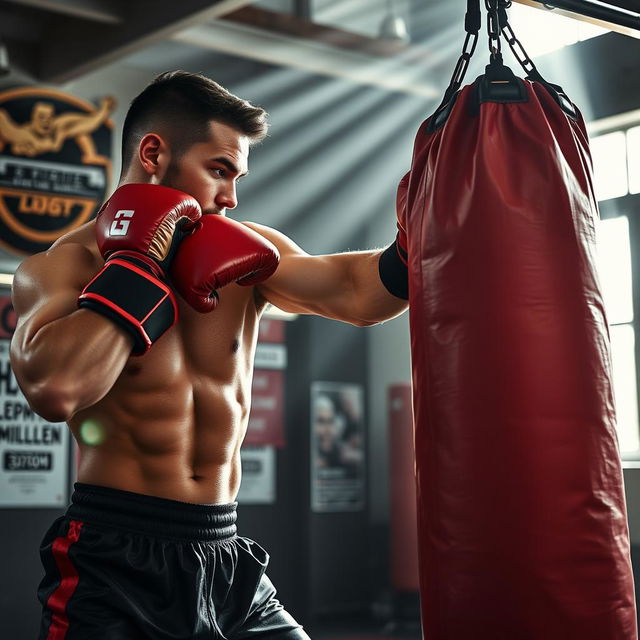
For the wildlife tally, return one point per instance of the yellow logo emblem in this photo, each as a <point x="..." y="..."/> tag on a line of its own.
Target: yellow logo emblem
<point x="55" y="165"/>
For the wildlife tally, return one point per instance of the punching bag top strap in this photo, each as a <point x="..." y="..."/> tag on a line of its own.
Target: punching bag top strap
<point x="499" y="84"/>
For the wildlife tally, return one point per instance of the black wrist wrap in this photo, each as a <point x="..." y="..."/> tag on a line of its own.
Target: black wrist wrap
<point x="393" y="271"/>
<point x="131" y="296"/>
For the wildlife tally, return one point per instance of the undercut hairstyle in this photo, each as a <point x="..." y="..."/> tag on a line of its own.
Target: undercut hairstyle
<point x="180" y="105"/>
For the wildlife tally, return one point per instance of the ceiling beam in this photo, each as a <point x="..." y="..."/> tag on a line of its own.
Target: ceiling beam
<point x="300" y="27"/>
<point x="393" y="74"/>
<point x="622" y="16"/>
<point x="70" y="52"/>
<point x="94" y="10"/>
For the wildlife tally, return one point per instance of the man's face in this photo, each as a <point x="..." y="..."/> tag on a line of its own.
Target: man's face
<point x="209" y="171"/>
<point x="42" y="118"/>
<point x="325" y="423"/>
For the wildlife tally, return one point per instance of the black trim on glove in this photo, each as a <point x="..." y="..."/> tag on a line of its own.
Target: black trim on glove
<point x="134" y="298"/>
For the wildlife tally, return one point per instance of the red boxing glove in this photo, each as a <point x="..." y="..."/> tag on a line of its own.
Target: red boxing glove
<point x="219" y="252"/>
<point x="137" y="231"/>
<point x="146" y="222"/>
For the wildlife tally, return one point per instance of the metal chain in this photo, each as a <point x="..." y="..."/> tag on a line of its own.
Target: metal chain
<point x="497" y="26"/>
<point x="493" y="28"/>
<point x="518" y="50"/>
<point x="462" y="65"/>
<point x="472" y="27"/>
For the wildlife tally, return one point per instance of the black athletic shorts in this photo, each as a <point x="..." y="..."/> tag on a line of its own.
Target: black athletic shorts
<point x="125" y="566"/>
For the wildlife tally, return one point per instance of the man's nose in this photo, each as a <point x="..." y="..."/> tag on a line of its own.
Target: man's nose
<point x="227" y="198"/>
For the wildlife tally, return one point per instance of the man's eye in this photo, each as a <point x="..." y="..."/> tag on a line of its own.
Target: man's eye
<point x="219" y="172"/>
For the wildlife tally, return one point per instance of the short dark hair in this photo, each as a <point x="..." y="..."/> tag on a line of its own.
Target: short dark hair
<point x="182" y="105"/>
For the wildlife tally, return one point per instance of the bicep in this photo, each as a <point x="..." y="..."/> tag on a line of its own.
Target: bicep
<point x="309" y="284"/>
<point x="46" y="287"/>
<point x="304" y="283"/>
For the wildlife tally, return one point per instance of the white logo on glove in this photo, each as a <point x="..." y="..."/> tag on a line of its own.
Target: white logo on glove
<point x="120" y="227"/>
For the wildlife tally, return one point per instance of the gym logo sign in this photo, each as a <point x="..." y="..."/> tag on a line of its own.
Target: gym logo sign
<point x="55" y="165"/>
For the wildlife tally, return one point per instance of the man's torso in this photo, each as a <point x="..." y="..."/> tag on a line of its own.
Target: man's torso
<point x="173" y="422"/>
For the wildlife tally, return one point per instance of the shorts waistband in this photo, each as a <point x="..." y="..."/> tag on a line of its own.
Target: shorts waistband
<point x="152" y="515"/>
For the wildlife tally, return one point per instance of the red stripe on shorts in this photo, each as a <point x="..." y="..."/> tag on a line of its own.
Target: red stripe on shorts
<point x="58" y="600"/>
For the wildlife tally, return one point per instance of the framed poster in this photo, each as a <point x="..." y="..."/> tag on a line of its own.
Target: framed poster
<point x="266" y="420"/>
<point x="258" y="475"/>
<point x="338" y="458"/>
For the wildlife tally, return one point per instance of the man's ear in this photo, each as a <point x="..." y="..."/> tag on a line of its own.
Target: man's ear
<point x="154" y="155"/>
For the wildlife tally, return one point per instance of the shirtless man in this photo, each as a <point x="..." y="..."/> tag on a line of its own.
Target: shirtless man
<point x="121" y="335"/>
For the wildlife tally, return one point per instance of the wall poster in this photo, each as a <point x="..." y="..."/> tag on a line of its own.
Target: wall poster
<point x="33" y="452"/>
<point x="338" y="464"/>
<point x="258" y="475"/>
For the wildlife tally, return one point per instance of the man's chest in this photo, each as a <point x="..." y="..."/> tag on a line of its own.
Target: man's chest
<point x="218" y="345"/>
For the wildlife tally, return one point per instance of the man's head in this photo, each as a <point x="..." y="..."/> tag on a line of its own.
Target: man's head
<point x="42" y="118"/>
<point x="178" y="124"/>
<point x="326" y="426"/>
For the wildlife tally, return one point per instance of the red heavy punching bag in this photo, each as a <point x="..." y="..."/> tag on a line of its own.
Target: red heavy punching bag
<point x="521" y="513"/>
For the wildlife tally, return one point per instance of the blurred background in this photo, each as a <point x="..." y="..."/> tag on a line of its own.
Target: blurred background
<point x="347" y="84"/>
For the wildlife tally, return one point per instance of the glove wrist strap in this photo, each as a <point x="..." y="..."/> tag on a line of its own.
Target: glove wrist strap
<point x="128" y="292"/>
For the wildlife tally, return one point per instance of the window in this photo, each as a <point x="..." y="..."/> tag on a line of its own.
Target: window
<point x="614" y="267"/>
<point x="633" y="159"/>
<point x="624" y="384"/>
<point x="616" y="163"/>
<point x="541" y="32"/>
<point x="610" y="165"/>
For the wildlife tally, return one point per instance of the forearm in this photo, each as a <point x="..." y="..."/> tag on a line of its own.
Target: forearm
<point x="70" y="363"/>
<point x="345" y="287"/>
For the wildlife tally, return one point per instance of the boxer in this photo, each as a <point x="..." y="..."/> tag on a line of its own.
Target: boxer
<point x="139" y="330"/>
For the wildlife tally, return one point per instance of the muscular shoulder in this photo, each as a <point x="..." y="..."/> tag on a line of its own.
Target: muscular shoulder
<point x="285" y="245"/>
<point x="84" y="235"/>
<point x="67" y="266"/>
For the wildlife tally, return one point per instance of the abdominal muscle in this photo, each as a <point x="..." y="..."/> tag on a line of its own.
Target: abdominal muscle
<point x="179" y="457"/>
<point x="174" y="421"/>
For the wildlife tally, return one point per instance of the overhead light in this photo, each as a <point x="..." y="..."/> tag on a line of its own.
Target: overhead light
<point x="393" y="26"/>
<point x="6" y="278"/>
<point x="5" y="69"/>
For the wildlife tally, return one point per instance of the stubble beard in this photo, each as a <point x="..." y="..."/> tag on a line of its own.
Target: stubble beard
<point x="171" y="179"/>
